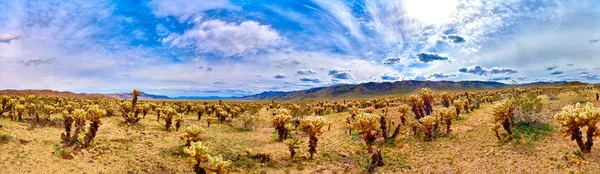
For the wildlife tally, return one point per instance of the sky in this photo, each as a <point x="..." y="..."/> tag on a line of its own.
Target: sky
<point x="242" y="47"/>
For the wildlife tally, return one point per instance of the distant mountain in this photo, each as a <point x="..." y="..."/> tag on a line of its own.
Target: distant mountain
<point x="337" y="91"/>
<point x="144" y="96"/>
<point x="386" y="88"/>
<point x="50" y="93"/>
<point x="202" y="98"/>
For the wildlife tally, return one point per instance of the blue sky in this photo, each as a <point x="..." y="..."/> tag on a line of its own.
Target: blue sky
<point x="241" y="47"/>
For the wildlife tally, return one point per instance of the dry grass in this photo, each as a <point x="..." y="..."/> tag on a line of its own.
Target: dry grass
<point x="148" y="148"/>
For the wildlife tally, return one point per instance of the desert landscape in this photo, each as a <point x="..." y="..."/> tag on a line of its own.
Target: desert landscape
<point x="299" y="86"/>
<point x="424" y="132"/>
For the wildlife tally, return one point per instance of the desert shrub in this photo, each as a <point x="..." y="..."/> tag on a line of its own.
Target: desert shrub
<point x="531" y="132"/>
<point x="573" y="118"/>
<point x="248" y="122"/>
<point x="528" y="108"/>
<point x="370" y="110"/>
<point x="312" y="126"/>
<point x="503" y="113"/>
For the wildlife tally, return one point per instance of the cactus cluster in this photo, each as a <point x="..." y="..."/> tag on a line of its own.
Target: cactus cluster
<point x="79" y="117"/>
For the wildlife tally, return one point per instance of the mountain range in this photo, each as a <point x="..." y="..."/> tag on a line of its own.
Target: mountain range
<point x="336" y="91"/>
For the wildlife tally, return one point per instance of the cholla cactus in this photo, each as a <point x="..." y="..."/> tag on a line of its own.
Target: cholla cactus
<point x="68" y="122"/>
<point x="200" y="109"/>
<point x="20" y="110"/>
<point x="169" y="112"/>
<point x="94" y="113"/>
<point x="403" y="109"/>
<point x="416" y="106"/>
<point x="368" y="127"/>
<point x="447" y="115"/>
<point x="312" y="126"/>
<point x="49" y="110"/>
<point x="353" y="112"/>
<point x="178" y="121"/>
<point x="198" y="154"/>
<point x="279" y="124"/>
<point x="445" y="99"/>
<point x="458" y="105"/>
<point x="192" y="134"/>
<point x="428" y="123"/>
<point x="573" y="118"/>
<point x="292" y="144"/>
<point x="144" y="109"/>
<point x="79" y="116"/>
<point x="503" y="113"/>
<point x="217" y="164"/>
<point x="427" y="97"/>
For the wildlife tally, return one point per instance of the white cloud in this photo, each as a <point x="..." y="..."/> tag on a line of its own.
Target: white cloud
<point x="6" y="38"/>
<point x="186" y="9"/>
<point x="229" y="39"/>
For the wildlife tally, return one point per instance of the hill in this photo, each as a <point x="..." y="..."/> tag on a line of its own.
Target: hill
<point x="144" y="96"/>
<point x="51" y="93"/>
<point x="385" y="88"/>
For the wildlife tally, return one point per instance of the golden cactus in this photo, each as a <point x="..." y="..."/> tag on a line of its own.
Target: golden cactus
<point x="198" y="154"/>
<point x="192" y="134"/>
<point x="417" y="106"/>
<point x="573" y="118"/>
<point x="447" y="115"/>
<point x="503" y="112"/>
<point x="292" y="144"/>
<point x="279" y="121"/>
<point x="403" y="109"/>
<point x="312" y="126"/>
<point x="428" y="123"/>
<point x="368" y="127"/>
<point x="94" y="113"/>
<point x="217" y="164"/>
<point x="445" y="98"/>
<point x="427" y="97"/>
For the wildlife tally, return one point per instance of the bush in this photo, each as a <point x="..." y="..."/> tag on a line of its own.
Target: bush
<point x="248" y="122"/>
<point x="528" y="108"/>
